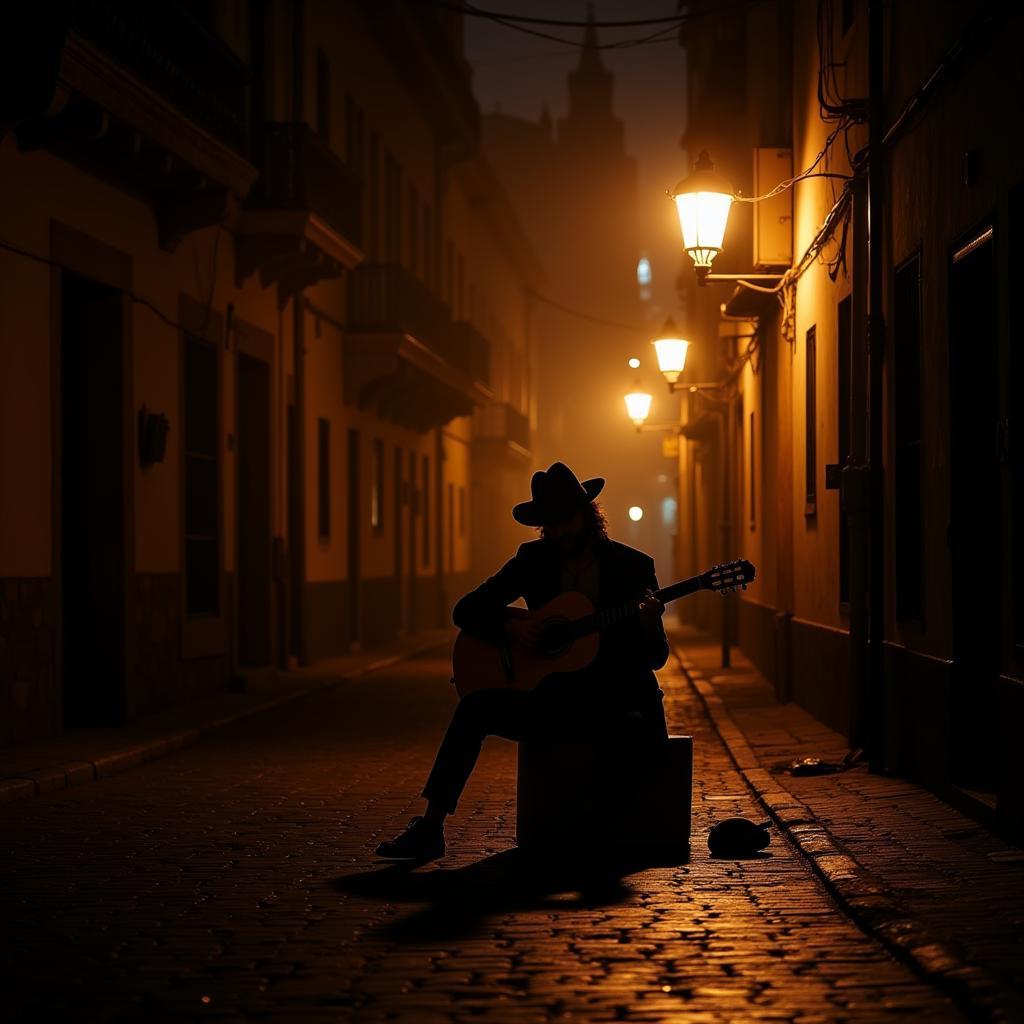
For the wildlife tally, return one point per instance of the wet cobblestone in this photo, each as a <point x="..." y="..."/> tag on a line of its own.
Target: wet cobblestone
<point x="236" y="880"/>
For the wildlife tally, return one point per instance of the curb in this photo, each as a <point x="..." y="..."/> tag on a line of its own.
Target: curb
<point x="82" y="770"/>
<point x="862" y="895"/>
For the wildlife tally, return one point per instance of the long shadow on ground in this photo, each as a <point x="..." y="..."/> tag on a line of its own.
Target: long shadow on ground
<point x="460" y="900"/>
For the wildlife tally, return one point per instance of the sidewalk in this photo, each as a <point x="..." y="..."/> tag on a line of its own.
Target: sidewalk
<point x="936" y="887"/>
<point x="86" y="755"/>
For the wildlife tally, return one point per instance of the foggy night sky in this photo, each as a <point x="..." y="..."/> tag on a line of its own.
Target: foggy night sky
<point x="519" y="73"/>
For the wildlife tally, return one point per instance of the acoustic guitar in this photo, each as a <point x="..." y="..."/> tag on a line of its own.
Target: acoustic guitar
<point x="570" y="636"/>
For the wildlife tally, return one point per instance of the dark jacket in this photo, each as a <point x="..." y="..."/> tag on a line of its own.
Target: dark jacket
<point x="623" y="672"/>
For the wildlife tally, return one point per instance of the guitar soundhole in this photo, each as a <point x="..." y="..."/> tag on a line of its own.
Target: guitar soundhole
<point x="557" y="638"/>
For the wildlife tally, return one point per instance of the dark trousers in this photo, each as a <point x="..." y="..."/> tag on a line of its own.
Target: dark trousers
<point x="539" y="715"/>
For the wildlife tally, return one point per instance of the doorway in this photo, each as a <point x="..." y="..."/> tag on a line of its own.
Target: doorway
<point x="92" y="502"/>
<point x="975" y="503"/>
<point x="254" y="535"/>
<point x="354" y="538"/>
<point x="399" y="568"/>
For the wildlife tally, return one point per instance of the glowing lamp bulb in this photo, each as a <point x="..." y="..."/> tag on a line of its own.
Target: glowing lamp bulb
<point x="638" y="406"/>
<point x="671" y="351"/>
<point x="634" y="363"/>
<point x="703" y="200"/>
<point x="636" y="513"/>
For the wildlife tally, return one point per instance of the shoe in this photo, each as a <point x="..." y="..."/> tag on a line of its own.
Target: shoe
<point x="419" y="841"/>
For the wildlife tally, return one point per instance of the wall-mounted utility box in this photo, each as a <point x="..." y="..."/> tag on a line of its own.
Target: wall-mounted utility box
<point x="773" y="218"/>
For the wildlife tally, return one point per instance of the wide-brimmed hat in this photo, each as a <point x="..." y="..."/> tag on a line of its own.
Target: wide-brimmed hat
<point x="557" y="494"/>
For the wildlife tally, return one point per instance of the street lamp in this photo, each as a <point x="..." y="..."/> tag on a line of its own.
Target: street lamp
<point x="638" y="405"/>
<point x="671" y="351"/>
<point x="703" y="200"/>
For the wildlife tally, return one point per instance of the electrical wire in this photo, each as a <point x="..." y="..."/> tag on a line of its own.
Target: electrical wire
<point x="674" y="19"/>
<point x="808" y="173"/>
<point x="134" y="296"/>
<point x="512" y="22"/>
<point x="479" y="12"/>
<point x="584" y="316"/>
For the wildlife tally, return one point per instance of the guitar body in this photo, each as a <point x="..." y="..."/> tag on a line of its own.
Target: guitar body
<point x="481" y="665"/>
<point x="569" y="645"/>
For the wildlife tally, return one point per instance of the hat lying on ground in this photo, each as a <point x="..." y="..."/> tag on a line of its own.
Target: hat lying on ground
<point x="557" y="494"/>
<point x="738" y="837"/>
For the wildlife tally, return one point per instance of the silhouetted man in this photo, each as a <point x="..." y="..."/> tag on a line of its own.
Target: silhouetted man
<point x="617" y="692"/>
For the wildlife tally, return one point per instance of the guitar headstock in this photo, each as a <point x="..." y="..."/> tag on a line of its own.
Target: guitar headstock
<point x="728" y="576"/>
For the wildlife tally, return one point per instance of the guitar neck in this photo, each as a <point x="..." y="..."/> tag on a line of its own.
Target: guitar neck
<point x="610" y="616"/>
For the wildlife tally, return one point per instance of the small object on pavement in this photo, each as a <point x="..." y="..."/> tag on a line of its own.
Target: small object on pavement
<point x="818" y="766"/>
<point x="738" y="837"/>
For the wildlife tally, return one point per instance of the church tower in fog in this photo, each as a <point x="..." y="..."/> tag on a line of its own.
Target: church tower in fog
<point x="574" y="188"/>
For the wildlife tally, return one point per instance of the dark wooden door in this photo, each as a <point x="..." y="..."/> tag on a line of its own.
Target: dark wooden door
<point x="254" y="539"/>
<point x="975" y="508"/>
<point x="92" y="481"/>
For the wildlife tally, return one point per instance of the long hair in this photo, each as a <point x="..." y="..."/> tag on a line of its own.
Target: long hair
<point x="596" y="520"/>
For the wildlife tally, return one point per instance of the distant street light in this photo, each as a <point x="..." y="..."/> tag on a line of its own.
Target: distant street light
<point x="634" y="363"/>
<point x="703" y="200"/>
<point x="671" y="350"/>
<point x="638" y="406"/>
<point x="636" y="513"/>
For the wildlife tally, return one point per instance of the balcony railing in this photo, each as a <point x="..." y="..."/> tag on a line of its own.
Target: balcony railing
<point x="469" y="350"/>
<point x="504" y="422"/>
<point x="386" y="297"/>
<point x="165" y="47"/>
<point x="298" y="171"/>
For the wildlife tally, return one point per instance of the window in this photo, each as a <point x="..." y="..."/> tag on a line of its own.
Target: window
<point x="202" y="478"/>
<point x="426" y="509"/>
<point x="449" y="275"/>
<point x="323" y="96"/>
<point x="373" y="199"/>
<point x="414" y="230"/>
<point x="392" y="209"/>
<point x="377" y="487"/>
<point x="909" y="555"/>
<point x="460" y="285"/>
<point x="844" y="320"/>
<point x="323" y="478"/>
<point x="847" y="11"/>
<point x="810" y="423"/>
<point x="428" y="261"/>
<point x="451" y="527"/>
<point x="752" y="478"/>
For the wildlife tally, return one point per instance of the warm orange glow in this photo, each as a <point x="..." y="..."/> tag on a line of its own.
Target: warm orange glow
<point x="638" y="406"/>
<point x="703" y="201"/>
<point x="671" y="351"/>
<point x="636" y="513"/>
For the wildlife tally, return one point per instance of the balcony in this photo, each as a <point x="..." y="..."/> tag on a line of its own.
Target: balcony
<point x="501" y="424"/>
<point x="303" y="220"/>
<point x="143" y="96"/>
<point x="404" y="357"/>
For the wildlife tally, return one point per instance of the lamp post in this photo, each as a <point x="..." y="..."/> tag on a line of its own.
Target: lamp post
<point x="671" y="350"/>
<point x="638" y="405"/>
<point x="703" y="200"/>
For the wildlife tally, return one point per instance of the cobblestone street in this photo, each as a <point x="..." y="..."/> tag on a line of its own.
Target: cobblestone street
<point x="237" y="880"/>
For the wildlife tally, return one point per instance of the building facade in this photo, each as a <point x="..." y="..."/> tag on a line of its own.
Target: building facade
<point x="263" y="336"/>
<point x="862" y="449"/>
